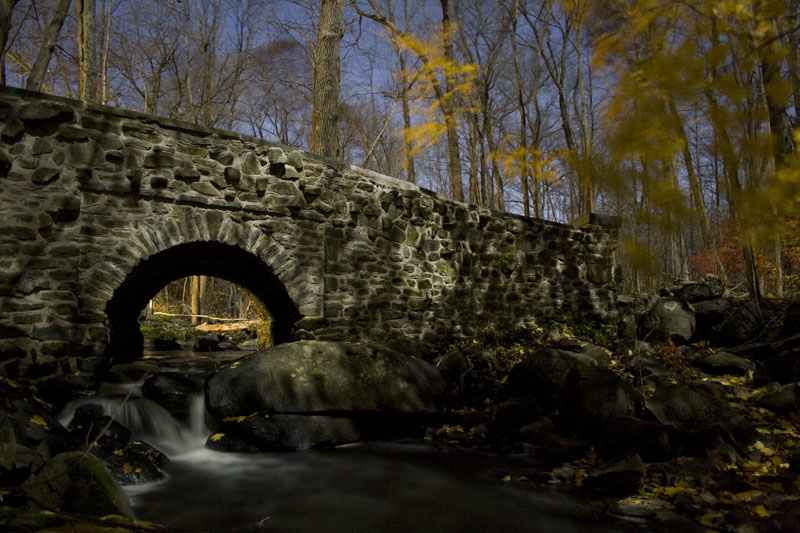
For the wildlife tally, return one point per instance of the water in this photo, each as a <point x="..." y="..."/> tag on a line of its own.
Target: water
<point x="369" y="488"/>
<point x="375" y="487"/>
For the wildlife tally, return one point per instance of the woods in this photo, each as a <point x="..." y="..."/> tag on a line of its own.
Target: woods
<point x="680" y="117"/>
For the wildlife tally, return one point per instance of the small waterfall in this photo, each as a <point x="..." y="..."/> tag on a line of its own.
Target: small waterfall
<point x="147" y="421"/>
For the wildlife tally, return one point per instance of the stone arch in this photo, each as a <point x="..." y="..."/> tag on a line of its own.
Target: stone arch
<point x="208" y="258"/>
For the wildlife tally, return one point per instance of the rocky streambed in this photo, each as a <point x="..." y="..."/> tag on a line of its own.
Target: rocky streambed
<point x="685" y="416"/>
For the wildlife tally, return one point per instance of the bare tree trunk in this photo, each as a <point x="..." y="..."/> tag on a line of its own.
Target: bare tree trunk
<point x="523" y="117"/>
<point x="448" y="110"/>
<point x="195" y="296"/>
<point x="87" y="50"/>
<point x="327" y="80"/>
<point x="6" y="10"/>
<point x="35" y="80"/>
<point x="696" y="192"/>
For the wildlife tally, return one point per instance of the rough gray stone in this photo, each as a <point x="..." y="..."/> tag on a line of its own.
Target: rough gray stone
<point x="314" y="377"/>
<point x="669" y="318"/>
<point x="76" y="482"/>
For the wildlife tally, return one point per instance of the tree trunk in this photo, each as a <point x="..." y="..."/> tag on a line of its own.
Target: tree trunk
<point x="448" y="109"/>
<point x="87" y="50"/>
<point x="195" y="296"/>
<point x="35" y="80"/>
<point x="523" y="117"/>
<point x="6" y="10"/>
<point x="327" y="80"/>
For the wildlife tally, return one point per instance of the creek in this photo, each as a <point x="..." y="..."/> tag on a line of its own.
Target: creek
<point x="377" y="487"/>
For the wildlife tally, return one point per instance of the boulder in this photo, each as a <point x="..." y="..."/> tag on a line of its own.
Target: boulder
<point x="783" y="399"/>
<point x="542" y="374"/>
<point x="592" y="395"/>
<point x="709" y="314"/>
<point x="784" y="366"/>
<point x="128" y="461"/>
<point x="76" y="482"/>
<point x="207" y="343"/>
<point x="668" y="319"/>
<point x="165" y="344"/>
<point x="316" y="376"/>
<point x="173" y="391"/>
<point x="693" y="410"/>
<point x="740" y="326"/>
<point x="721" y="362"/>
<point x="259" y="432"/>
<point x="697" y="292"/>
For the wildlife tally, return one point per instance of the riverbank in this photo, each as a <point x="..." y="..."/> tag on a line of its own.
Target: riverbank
<point x="666" y="426"/>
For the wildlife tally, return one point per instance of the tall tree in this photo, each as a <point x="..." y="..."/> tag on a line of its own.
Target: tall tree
<point x="327" y="79"/>
<point x="87" y="49"/>
<point x="36" y="77"/>
<point x="6" y="10"/>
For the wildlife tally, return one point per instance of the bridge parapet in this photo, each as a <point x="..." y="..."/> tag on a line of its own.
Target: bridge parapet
<point x="101" y="207"/>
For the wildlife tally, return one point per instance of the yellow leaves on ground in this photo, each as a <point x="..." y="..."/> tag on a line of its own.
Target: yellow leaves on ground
<point x="39" y="421"/>
<point x="119" y="453"/>
<point x="216" y="436"/>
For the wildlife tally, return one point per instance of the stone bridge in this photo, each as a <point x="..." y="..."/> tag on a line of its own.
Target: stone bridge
<point x="101" y="207"/>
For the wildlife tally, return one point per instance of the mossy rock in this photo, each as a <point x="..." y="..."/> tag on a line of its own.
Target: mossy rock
<point x="76" y="482"/>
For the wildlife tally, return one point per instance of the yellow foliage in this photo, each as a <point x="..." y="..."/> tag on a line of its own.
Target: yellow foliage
<point x="39" y="421"/>
<point x="216" y="436"/>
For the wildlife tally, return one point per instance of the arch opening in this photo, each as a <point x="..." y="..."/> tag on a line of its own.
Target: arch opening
<point x="224" y="261"/>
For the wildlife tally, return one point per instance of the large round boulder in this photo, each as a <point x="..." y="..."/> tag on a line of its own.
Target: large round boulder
<point x="669" y="319"/>
<point x="77" y="482"/>
<point x="542" y="374"/>
<point x="322" y="377"/>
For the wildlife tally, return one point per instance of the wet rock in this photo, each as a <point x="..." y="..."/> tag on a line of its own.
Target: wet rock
<point x="173" y="391"/>
<point x="128" y="461"/>
<point x="60" y="390"/>
<point x="77" y="482"/>
<point x="250" y="345"/>
<point x="721" y="362"/>
<point x="618" y="476"/>
<point x="668" y="319"/>
<point x="315" y="376"/>
<point x="165" y="344"/>
<point x="207" y="343"/>
<point x="260" y="432"/>
<point x="696" y="292"/>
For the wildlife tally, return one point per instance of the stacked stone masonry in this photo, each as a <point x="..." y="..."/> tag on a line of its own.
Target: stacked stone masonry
<point x="88" y="193"/>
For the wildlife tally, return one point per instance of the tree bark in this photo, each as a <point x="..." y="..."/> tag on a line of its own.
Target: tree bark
<point x="448" y="109"/>
<point x="36" y="78"/>
<point x="327" y="80"/>
<point x="6" y="10"/>
<point x="87" y="50"/>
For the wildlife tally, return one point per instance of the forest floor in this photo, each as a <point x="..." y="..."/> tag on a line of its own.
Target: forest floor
<point x="728" y="485"/>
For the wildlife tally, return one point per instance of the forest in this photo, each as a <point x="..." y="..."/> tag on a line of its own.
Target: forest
<point x="679" y="116"/>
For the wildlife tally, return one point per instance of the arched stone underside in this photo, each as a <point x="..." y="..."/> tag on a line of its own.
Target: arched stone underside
<point x="100" y="207"/>
<point x="195" y="258"/>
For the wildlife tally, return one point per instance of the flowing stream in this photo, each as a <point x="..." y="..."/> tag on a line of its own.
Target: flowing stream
<point x="370" y="487"/>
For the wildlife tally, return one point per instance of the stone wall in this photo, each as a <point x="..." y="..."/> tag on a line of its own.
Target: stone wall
<point x="101" y="207"/>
